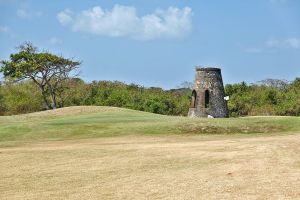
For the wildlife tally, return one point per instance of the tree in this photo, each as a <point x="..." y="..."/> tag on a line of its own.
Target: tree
<point x="48" y="71"/>
<point x="274" y="83"/>
<point x="186" y="84"/>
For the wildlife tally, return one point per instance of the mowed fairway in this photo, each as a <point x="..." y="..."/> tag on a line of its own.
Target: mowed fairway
<point x="112" y="153"/>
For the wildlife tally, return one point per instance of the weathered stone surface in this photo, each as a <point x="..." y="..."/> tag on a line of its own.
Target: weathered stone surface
<point x="208" y="94"/>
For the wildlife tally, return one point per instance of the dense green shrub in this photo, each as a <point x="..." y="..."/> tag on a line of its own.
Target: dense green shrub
<point x="268" y="97"/>
<point x="20" y="98"/>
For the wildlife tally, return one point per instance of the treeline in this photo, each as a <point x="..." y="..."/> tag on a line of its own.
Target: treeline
<point x="268" y="97"/>
<point x="24" y="97"/>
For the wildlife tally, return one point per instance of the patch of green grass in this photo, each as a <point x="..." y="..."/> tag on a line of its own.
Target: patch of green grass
<point x="117" y="122"/>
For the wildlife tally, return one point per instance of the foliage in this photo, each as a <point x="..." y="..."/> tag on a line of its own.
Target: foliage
<point x="49" y="72"/>
<point x="101" y="93"/>
<point x="268" y="97"/>
<point x="156" y="100"/>
<point x="20" y="98"/>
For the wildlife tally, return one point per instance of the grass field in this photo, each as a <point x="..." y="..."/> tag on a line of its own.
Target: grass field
<point x="113" y="153"/>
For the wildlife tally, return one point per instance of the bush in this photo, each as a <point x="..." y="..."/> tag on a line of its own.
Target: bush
<point x="19" y="98"/>
<point x="273" y="97"/>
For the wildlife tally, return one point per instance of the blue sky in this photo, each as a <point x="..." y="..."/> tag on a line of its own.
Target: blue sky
<point x="158" y="43"/>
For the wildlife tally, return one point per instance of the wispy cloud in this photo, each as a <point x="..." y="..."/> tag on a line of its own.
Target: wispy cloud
<point x="293" y="42"/>
<point x="278" y="1"/>
<point x="4" y="29"/>
<point x="55" y="41"/>
<point x="22" y="13"/>
<point x="272" y="44"/>
<point x="26" y="14"/>
<point x="253" y="50"/>
<point x="123" y="21"/>
<point x="283" y="43"/>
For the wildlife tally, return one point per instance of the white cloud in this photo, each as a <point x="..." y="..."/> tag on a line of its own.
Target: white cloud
<point x="124" y="21"/>
<point x="284" y="43"/>
<point x="4" y="29"/>
<point x="55" y="41"/>
<point x="65" y="17"/>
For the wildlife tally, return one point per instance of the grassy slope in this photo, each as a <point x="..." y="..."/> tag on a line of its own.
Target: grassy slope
<point x="90" y="122"/>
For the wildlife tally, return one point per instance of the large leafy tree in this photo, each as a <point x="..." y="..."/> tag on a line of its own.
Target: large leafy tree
<point x="48" y="71"/>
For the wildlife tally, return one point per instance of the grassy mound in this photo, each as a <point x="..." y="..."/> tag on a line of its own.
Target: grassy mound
<point x="97" y="121"/>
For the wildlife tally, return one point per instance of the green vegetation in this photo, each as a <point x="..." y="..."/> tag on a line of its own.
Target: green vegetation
<point x="92" y="121"/>
<point x="18" y="98"/>
<point x="245" y="100"/>
<point x="268" y="97"/>
<point x="47" y="71"/>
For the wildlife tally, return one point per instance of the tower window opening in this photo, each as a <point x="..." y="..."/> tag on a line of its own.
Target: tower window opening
<point x="206" y="99"/>
<point x="194" y="98"/>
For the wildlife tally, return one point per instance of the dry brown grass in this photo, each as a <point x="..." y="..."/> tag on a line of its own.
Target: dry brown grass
<point x="162" y="167"/>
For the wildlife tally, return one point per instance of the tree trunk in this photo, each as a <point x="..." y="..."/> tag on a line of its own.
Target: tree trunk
<point x="44" y="93"/>
<point x="53" y="98"/>
<point x="46" y="101"/>
<point x="52" y="94"/>
<point x="62" y="100"/>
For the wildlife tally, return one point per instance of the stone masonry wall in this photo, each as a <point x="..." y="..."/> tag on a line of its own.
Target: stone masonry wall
<point x="209" y="90"/>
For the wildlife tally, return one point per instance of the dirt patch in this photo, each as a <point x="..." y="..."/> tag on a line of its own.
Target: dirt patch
<point x="194" y="128"/>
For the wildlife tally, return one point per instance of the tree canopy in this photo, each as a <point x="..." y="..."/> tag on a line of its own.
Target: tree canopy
<point x="46" y="70"/>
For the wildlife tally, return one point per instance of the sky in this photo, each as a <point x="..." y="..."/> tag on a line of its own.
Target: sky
<point x="158" y="43"/>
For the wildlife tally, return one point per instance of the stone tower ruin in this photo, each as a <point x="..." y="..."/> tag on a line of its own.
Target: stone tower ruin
<point x="208" y="94"/>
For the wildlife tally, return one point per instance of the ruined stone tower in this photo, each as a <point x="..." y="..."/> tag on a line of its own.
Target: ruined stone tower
<point x="208" y="94"/>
